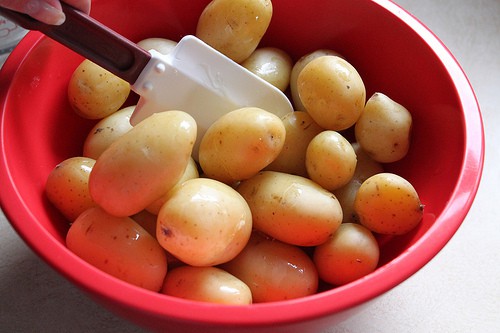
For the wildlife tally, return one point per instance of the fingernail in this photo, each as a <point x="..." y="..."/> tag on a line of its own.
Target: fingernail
<point x="52" y="15"/>
<point x="45" y="12"/>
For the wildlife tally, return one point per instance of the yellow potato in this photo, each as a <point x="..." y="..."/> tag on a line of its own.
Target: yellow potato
<point x="206" y="284"/>
<point x="291" y="208"/>
<point x="384" y="129"/>
<point x="240" y="144"/>
<point x="95" y="93"/>
<point x="330" y="160"/>
<point x="67" y="186"/>
<point x="351" y="253"/>
<point x="204" y="222"/>
<point x="297" y="68"/>
<point x="388" y="204"/>
<point x="332" y="92"/>
<point x="365" y="168"/>
<point x="106" y="131"/>
<point x="118" y="246"/>
<point x="273" y="270"/>
<point x="234" y="27"/>
<point x="162" y="45"/>
<point x="300" y="130"/>
<point x="144" y="163"/>
<point x="272" y="65"/>
<point x="191" y="172"/>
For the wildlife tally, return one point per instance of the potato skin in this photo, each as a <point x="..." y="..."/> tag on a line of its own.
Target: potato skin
<point x="332" y="92"/>
<point x="273" y="270"/>
<point x="384" y="128"/>
<point x="204" y="222"/>
<point x="272" y="65"/>
<point x="144" y="163"/>
<point x="300" y="130"/>
<point x="388" y="204"/>
<point x="94" y="92"/>
<point x="240" y="144"/>
<point x="351" y="253"/>
<point x="106" y="131"/>
<point x="206" y="284"/>
<point x="67" y="186"/>
<point x="290" y="208"/>
<point x="297" y="68"/>
<point x="330" y="160"/>
<point x="234" y="27"/>
<point x="118" y="246"/>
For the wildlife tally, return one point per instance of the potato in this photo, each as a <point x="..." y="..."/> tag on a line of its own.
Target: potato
<point x="206" y="284"/>
<point x="332" y="92"/>
<point x="351" y="253"/>
<point x="330" y="160"/>
<point x="240" y="144"/>
<point x="300" y="130"/>
<point x="388" y="204"/>
<point x="291" y="208"/>
<point x="144" y="163"/>
<point x="365" y="168"/>
<point x="384" y="129"/>
<point x="274" y="271"/>
<point x="95" y="93"/>
<point x="191" y="172"/>
<point x="234" y="27"/>
<point x="118" y="246"/>
<point x="204" y="222"/>
<point x="297" y="68"/>
<point x="162" y="45"/>
<point x="67" y="186"/>
<point x="272" y="65"/>
<point x="106" y="131"/>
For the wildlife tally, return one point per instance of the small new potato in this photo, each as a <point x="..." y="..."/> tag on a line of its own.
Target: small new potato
<point x="204" y="222"/>
<point x="300" y="130"/>
<point x="272" y="65"/>
<point x="144" y="163"/>
<point x="191" y="172"/>
<point x="330" y="160"/>
<point x="162" y="45"/>
<point x="351" y="253"/>
<point x="67" y="186"/>
<point x="297" y="68"/>
<point x="95" y="93"/>
<point x="273" y="270"/>
<point x="206" y="284"/>
<point x="388" y="204"/>
<point x="106" y="131"/>
<point x="332" y="92"/>
<point x="234" y="27"/>
<point x="291" y="208"/>
<point x="384" y="129"/>
<point x="240" y="144"/>
<point x="365" y="168"/>
<point x="118" y="246"/>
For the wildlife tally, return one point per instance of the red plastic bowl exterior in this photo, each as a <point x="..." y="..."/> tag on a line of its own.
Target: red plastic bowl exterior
<point x="394" y="53"/>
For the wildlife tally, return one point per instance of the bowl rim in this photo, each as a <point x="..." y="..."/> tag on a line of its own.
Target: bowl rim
<point x="397" y="270"/>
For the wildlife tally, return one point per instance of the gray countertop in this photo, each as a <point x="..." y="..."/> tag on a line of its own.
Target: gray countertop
<point x="458" y="291"/>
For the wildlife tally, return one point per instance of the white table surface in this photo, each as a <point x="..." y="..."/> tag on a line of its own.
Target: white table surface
<point x="458" y="291"/>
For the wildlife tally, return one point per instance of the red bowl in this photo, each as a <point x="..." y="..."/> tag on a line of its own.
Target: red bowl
<point x="394" y="53"/>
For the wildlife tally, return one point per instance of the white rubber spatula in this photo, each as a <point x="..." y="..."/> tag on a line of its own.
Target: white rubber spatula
<point x="194" y="77"/>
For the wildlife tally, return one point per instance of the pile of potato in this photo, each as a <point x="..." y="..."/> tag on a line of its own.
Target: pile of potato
<point x="269" y="208"/>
